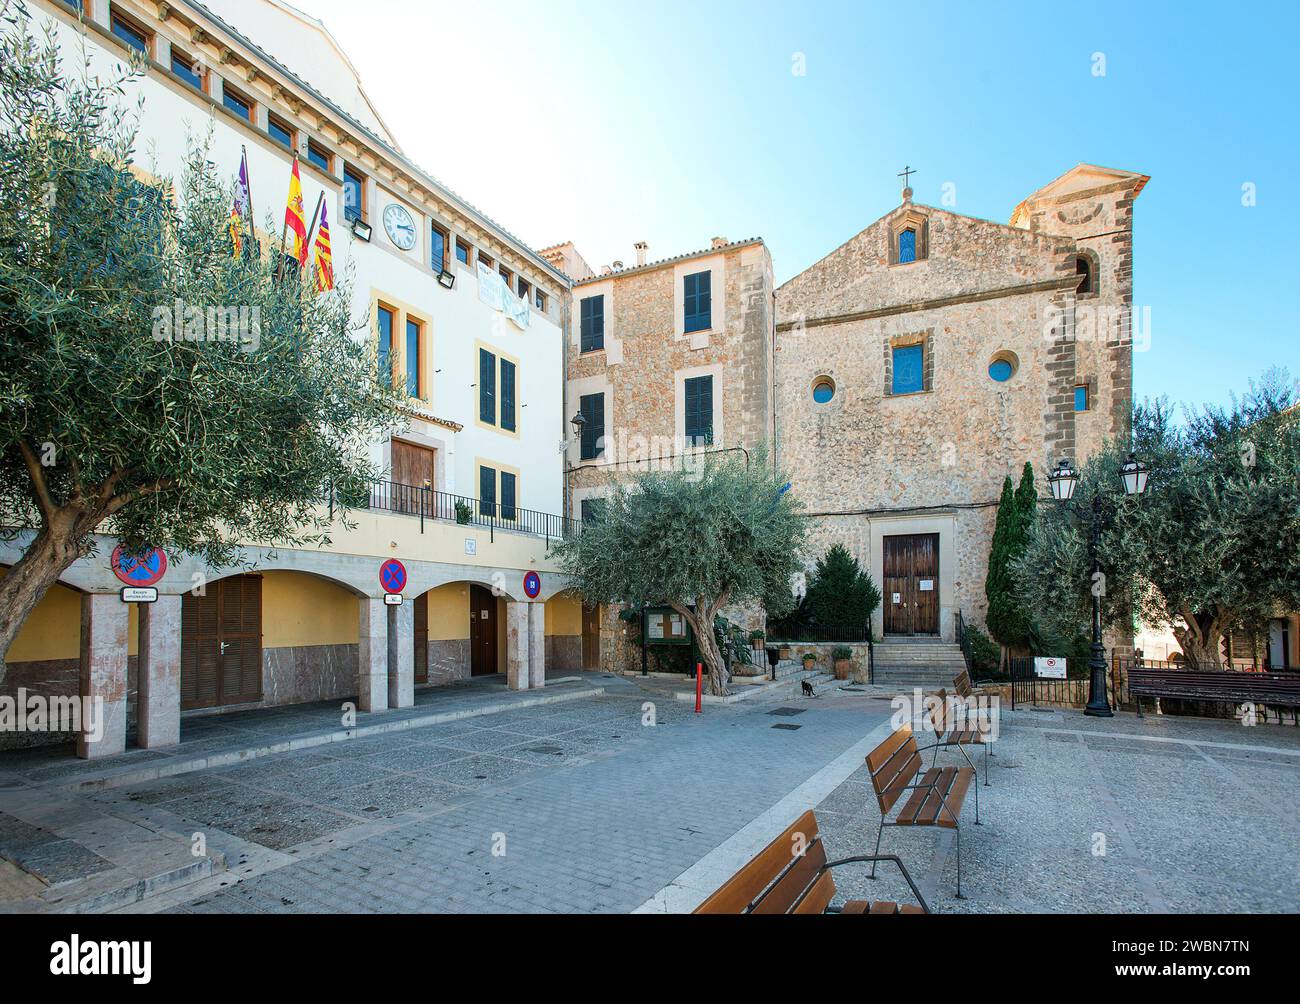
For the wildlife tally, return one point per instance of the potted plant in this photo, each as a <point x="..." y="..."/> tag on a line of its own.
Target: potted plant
<point x="809" y="660"/>
<point x="843" y="658"/>
<point x="756" y="639"/>
<point x="463" y="513"/>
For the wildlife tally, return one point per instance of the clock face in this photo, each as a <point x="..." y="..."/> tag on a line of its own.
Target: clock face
<point x="400" y="226"/>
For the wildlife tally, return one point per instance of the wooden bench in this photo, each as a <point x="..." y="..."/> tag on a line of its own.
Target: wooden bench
<point x="792" y="875"/>
<point x="947" y="735"/>
<point x="936" y="799"/>
<point x="968" y="693"/>
<point x="1280" y="690"/>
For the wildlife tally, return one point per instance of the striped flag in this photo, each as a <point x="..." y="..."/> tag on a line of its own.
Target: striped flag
<point x="294" y="218"/>
<point x="241" y="210"/>
<point x="324" y="257"/>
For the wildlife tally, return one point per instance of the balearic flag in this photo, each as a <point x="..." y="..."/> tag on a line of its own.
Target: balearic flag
<point x="324" y="257"/>
<point x="241" y="210"/>
<point x="293" y="217"/>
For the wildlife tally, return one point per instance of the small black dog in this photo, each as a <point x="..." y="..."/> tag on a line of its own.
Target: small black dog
<point x="807" y="688"/>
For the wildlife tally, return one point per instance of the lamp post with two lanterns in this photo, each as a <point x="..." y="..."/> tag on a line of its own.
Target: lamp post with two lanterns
<point x="1063" y="481"/>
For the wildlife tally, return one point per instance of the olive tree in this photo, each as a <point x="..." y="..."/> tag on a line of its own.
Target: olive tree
<point x="155" y="385"/>
<point x="723" y="530"/>
<point x="1213" y="543"/>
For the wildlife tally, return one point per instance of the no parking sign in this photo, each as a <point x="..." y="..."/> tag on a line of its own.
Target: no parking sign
<point x="532" y="585"/>
<point x="392" y="576"/>
<point x="139" y="570"/>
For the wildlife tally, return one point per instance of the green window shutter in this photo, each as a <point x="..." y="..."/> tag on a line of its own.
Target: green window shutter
<point x="487" y="387"/>
<point x="507" y="395"/>
<point x="697" y="301"/>
<point x="592" y="409"/>
<point x="593" y="323"/>
<point x="508" y="486"/>
<point x="699" y="411"/>
<point x="487" y="491"/>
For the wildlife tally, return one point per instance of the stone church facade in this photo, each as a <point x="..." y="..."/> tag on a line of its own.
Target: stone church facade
<point x="933" y="354"/>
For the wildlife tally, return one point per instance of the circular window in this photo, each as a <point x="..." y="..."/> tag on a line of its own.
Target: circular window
<point x="1003" y="366"/>
<point x="823" y="389"/>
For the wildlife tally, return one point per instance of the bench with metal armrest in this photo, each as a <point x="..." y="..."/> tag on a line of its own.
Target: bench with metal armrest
<point x="950" y="734"/>
<point x="792" y="875"/>
<point x="936" y="798"/>
<point x="967" y="692"/>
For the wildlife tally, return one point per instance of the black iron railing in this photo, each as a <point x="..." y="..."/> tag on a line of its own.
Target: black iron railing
<point x="425" y="504"/>
<point x="963" y="640"/>
<point x="812" y="634"/>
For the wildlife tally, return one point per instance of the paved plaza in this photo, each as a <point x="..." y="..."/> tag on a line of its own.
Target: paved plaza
<point x="581" y="805"/>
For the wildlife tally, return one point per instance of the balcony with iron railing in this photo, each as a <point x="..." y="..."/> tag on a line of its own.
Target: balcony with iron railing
<point x="427" y="504"/>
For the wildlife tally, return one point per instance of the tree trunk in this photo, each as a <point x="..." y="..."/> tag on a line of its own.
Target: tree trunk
<point x="1200" y="639"/>
<point x="710" y="654"/>
<point x="46" y="558"/>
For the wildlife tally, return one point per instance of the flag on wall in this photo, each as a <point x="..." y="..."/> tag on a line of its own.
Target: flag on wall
<point x="324" y="257"/>
<point x="241" y="211"/>
<point x="294" y="218"/>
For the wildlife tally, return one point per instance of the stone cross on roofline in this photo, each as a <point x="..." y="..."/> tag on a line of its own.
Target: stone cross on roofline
<point x="906" y="174"/>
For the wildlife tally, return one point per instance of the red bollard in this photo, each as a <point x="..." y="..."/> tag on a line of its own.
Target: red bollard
<point x="699" y="686"/>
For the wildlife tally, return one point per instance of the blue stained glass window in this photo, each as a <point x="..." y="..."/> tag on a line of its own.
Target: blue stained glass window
<point x="823" y="392"/>
<point x="909" y="375"/>
<point x="907" y="245"/>
<point x="412" y="358"/>
<point x="1081" y="398"/>
<point x="385" y="345"/>
<point x="1000" y="370"/>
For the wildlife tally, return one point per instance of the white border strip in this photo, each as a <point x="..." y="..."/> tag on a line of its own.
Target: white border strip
<point x="693" y="886"/>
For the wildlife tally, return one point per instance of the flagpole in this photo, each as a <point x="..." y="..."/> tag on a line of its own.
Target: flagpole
<point x="248" y="185"/>
<point x="320" y="200"/>
<point x="284" y="234"/>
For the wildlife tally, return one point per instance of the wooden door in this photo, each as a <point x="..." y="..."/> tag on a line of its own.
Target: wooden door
<point x="412" y="466"/>
<point x="482" y="631"/>
<point x="911" y="584"/>
<point x="221" y="644"/>
<point x="590" y="637"/>
<point x="421" y="618"/>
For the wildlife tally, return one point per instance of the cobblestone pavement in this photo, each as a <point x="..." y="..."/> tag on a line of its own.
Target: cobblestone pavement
<point x="594" y="810"/>
<point x="1087" y="815"/>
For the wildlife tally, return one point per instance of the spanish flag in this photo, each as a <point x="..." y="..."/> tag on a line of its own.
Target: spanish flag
<point x="324" y="269"/>
<point x="293" y="217"/>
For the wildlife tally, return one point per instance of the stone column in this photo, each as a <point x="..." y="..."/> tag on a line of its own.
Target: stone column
<point x="536" y="645"/>
<point x="517" y="645"/>
<point x="401" y="655"/>
<point x="103" y="675"/>
<point x="158" y="702"/>
<point x="372" y="655"/>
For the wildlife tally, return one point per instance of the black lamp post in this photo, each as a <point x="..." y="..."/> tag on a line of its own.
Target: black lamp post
<point x="1063" y="481"/>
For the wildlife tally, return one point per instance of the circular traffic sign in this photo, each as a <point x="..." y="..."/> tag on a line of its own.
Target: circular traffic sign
<point x="392" y="576"/>
<point x="532" y="584"/>
<point x="136" y="570"/>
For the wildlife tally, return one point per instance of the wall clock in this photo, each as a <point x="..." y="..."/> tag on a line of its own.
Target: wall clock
<point x="400" y="226"/>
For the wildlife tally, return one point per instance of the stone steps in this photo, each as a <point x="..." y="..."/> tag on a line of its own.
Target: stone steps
<point x="923" y="663"/>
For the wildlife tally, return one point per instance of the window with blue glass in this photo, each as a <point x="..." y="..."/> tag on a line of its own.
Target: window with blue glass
<point x="909" y="369"/>
<point x="698" y="410"/>
<point x="1081" y="398"/>
<point x="593" y="323"/>
<point x="237" y="103"/>
<point x="186" y="68"/>
<point x="129" y="32"/>
<point x="279" y="132"/>
<point x="354" y="186"/>
<point x="385" y="345"/>
<point x="697" y="301"/>
<point x="1000" y="370"/>
<point x="907" y="245"/>
<point x="437" y="247"/>
<point x="412" y="358"/>
<point x="318" y="155"/>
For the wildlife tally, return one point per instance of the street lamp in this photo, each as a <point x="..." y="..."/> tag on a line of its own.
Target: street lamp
<point x="1063" y="480"/>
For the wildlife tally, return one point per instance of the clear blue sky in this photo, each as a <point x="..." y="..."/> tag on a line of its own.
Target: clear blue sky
<point x="609" y="122"/>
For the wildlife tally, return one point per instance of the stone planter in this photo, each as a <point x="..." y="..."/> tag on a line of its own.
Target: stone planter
<point x="842" y="667"/>
<point x="809" y="664"/>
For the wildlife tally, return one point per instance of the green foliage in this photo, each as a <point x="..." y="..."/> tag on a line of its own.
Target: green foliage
<point x="717" y="532"/>
<point x="986" y="656"/>
<point x="191" y="445"/>
<point x="1009" y="620"/>
<point x="1214" y="541"/>
<point x="463" y="512"/>
<point x="840" y="594"/>
<point x="733" y="644"/>
<point x="841" y="652"/>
